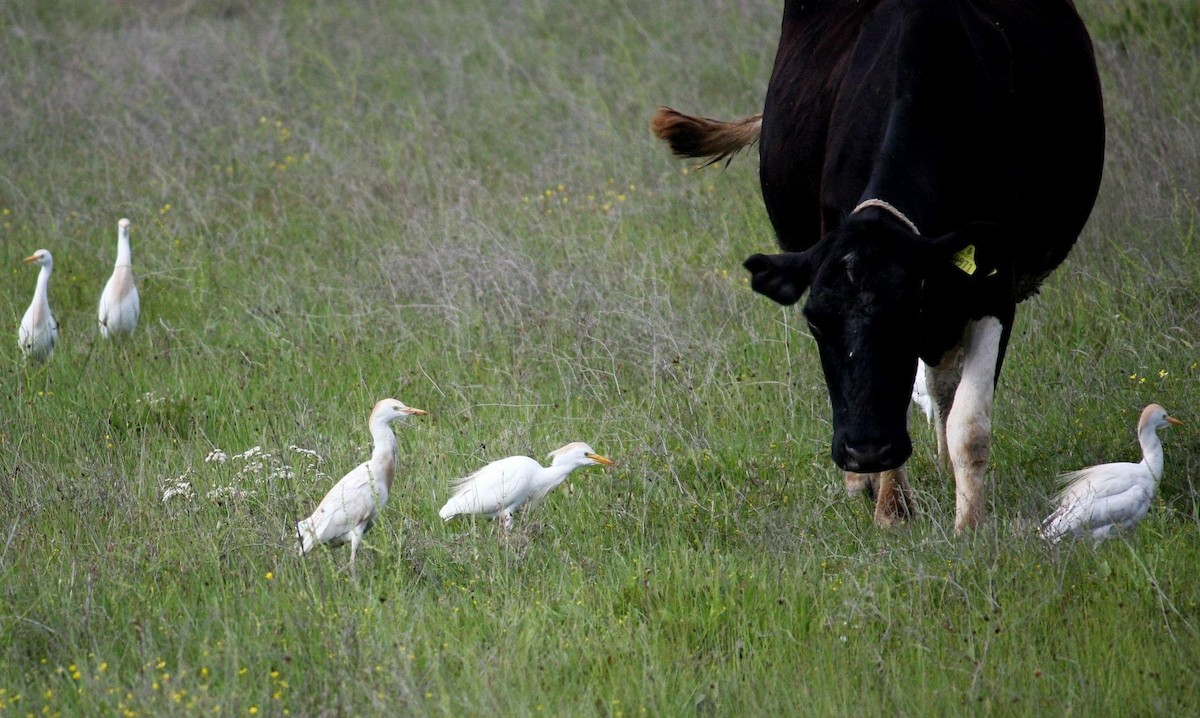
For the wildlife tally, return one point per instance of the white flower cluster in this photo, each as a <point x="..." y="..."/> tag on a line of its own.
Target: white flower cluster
<point x="250" y="453"/>
<point x="251" y="467"/>
<point x="150" y="399"/>
<point x="179" y="487"/>
<point x="224" y="493"/>
<point x="307" y="452"/>
<point x="263" y="464"/>
<point x="256" y="467"/>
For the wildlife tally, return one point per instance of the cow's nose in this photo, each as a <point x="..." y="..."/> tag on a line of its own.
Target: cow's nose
<point x="868" y="458"/>
<point x="868" y="455"/>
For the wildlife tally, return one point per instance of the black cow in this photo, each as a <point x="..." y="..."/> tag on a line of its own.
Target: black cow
<point x="925" y="165"/>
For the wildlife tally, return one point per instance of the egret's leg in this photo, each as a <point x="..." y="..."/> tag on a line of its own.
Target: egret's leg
<point x="969" y="426"/>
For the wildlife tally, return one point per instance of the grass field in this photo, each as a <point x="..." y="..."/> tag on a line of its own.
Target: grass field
<point x="459" y="204"/>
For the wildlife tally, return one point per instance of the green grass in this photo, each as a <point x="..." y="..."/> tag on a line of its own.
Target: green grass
<point x="459" y="204"/>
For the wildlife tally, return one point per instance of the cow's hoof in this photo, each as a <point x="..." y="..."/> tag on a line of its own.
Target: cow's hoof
<point x="966" y="525"/>
<point x="899" y="511"/>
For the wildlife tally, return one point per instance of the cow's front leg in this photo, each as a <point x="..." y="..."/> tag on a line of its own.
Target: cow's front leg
<point x="894" y="503"/>
<point x="969" y="426"/>
<point x="857" y="483"/>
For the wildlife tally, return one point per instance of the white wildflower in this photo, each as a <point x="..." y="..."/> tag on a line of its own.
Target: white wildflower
<point x="179" y="487"/>
<point x="216" y="455"/>
<point x="250" y="469"/>
<point x="249" y="453"/>
<point x="307" y="452"/>
<point x="227" y="492"/>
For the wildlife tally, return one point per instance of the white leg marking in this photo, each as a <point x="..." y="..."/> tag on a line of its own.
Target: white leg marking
<point x="969" y="426"/>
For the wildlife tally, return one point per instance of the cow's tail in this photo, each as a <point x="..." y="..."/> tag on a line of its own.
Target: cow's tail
<point x="692" y="136"/>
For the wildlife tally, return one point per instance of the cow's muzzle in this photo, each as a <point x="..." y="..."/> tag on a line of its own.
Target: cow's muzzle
<point x="870" y="457"/>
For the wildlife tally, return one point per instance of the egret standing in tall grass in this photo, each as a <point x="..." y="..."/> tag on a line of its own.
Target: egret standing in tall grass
<point x="39" y="330"/>
<point x="506" y="485"/>
<point x="119" y="306"/>
<point x="1102" y="500"/>
<point x="920" y="392"/>
<point x="354" y="502"/>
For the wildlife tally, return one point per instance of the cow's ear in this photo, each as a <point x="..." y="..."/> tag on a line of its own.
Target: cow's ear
<point x="974" y="247"/>
<point x="781" y="277"/>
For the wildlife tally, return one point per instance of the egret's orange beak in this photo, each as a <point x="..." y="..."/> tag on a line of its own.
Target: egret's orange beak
<point x="413" y="412"/>
<point x="30" y="258"/>
<point x="1173" y="420"/>
<point x="601" y="459"/>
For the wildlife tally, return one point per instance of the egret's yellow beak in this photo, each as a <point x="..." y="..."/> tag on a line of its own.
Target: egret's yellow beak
<point x="1173" y="420"/>
<point x="601" y="459"/>
<point x="30" y="258"/>
<point x="413" y="412"/>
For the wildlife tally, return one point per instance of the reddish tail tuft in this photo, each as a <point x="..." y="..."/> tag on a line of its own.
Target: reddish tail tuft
<point x="692" y="136"/>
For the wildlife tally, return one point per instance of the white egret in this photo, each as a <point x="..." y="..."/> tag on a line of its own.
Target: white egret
<point x="504" y="486"/>
<point x="1102" y="500"/>
<point x="119" y="306"/>
<point x="920" y="392"/>
<point x="39" y="330"/>
<point x="353" y="504"/>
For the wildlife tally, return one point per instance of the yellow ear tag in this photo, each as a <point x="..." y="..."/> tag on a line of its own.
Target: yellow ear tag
<point x="964" y="259"/>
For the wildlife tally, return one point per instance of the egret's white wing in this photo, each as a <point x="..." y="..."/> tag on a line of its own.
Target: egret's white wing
<point x="133" y="306"/>
<point x="119" y="305"/>
<point x="1086" y="512"/>
<point x="492" y="488"/>
<point x="38" y="332"/>
<point x="352" y="501"/>
<point x="25" y="335"/>
<point x="1122" y="510"/>
<point x="1098" y="482"/>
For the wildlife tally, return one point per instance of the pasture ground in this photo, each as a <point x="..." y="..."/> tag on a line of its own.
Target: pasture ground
<point x="459" y="204"/>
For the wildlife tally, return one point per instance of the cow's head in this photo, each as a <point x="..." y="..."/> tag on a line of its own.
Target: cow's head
<point x="864" y="283"/>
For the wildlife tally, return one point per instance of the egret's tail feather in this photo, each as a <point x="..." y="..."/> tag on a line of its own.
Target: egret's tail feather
<point x="1054" y="527"/>
<point x="304" y="534"/>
